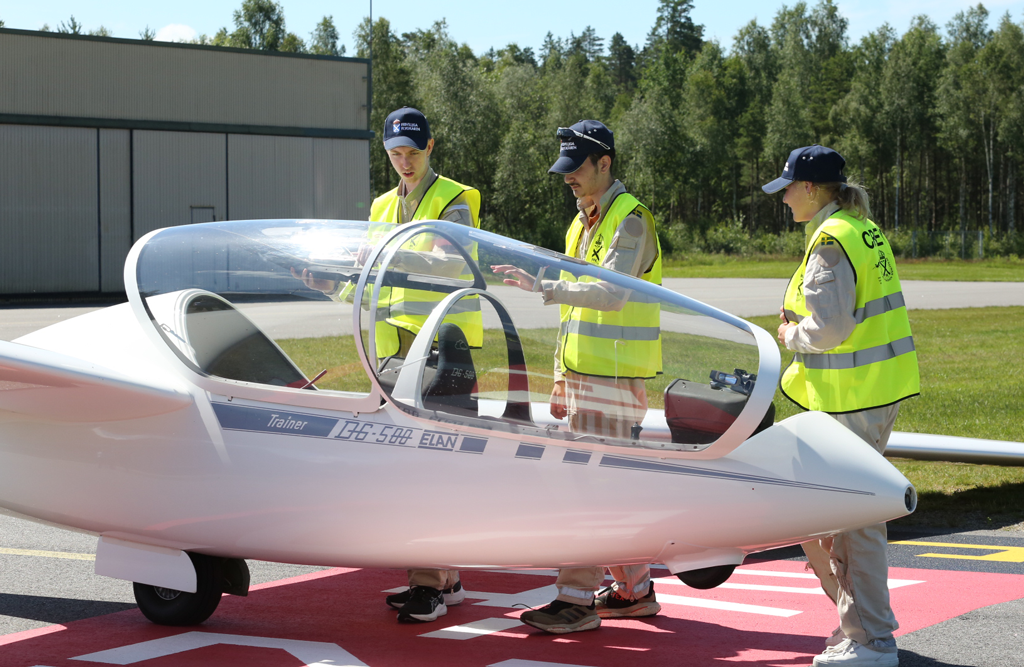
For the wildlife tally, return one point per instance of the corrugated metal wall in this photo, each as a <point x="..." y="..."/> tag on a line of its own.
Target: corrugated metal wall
<point x="115" y="207"/>
<point x="53" y="75"/>
<point x="290" y="177"/>
<point x="174" y="171"/>
<point x="170" y="135"/>
<point x="49" y="228"/>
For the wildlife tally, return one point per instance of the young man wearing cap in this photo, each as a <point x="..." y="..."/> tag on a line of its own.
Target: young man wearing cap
<point x="845" y="319"/>
<point x="614" y="230"/>
<point x="421" y="194"/>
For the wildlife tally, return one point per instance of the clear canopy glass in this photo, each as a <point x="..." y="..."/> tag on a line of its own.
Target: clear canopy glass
<point x="455" y="325"/>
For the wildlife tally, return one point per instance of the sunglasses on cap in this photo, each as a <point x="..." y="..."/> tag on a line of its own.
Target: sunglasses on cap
<point x="569" y="133"/>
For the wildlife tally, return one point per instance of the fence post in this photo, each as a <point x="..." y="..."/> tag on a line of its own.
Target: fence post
<point x="981" y="244"/>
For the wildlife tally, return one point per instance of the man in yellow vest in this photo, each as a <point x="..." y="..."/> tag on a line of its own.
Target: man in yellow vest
<point x="421" y="194"/>
<point x="607" y="347"/>
<point x="846" y="321"/>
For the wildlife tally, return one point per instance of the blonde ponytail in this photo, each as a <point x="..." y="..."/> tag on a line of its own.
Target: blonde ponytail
<point x="851" y="196"/>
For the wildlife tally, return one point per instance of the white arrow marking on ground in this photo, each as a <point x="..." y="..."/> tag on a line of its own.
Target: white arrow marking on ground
<point x="312" y="654"/>
<point x="530" y="663"/>
<point x="487" y="626"/>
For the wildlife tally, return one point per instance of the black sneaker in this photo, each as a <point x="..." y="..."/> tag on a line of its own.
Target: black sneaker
<point x="610" y="604"/>
<point x="452" y="596"/>
<point x="559" y="618"/>
<point x="425" y="604"/>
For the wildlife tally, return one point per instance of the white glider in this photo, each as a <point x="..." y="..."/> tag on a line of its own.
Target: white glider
<point x="193" y="427"/>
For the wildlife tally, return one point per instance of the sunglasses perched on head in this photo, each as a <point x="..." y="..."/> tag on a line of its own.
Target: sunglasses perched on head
<point x="569" y="133"/>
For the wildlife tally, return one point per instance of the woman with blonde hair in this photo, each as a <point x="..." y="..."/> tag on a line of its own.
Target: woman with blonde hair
<point x="845" y="319"/>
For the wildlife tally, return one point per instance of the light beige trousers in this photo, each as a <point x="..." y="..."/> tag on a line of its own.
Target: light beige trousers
<point x="853" y="567"/>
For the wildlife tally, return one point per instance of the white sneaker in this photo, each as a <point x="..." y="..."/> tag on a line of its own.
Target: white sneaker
<point x="836" y="637"/>
<point x="849" y="653"/>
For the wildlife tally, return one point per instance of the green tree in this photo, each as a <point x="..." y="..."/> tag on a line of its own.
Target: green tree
<point x="392" y="89"/>
<point x="963" y="114"/>
<point x="147" y="35"/>
<point x="752" y="48"/>
<point x="907" y="92"/>
<point x="101" y="31"/>
<point x="259" y="24"/>
<point x="674" y="29"/>
<point x="72" y="27"/>
<point x="324" y="39"/>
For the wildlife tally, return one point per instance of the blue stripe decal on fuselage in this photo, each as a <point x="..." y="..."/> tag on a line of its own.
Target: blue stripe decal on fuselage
<point x="529" y="451"/>
<point x="609" y="461"/>
<point x="245" y="418"/>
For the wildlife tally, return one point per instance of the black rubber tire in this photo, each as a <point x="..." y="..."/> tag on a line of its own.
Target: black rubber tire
<point x="164" y="606"/>
<point x="706" y="577"/>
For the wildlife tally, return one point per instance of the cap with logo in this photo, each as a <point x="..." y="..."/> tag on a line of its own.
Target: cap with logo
<point x="579" y="141"/>
<point x="815" y="164"/>
<point x="406" y="127"/>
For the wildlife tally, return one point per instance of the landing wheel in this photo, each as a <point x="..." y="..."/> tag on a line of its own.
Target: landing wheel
<point x="706" y="577"/>
<point x="165" y="606"/>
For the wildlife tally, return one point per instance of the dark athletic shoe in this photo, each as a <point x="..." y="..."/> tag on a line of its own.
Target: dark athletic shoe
<point x="559" y="618"/>
<point x="425" y="604"/>
<point x="452" y="596"/>
<point x="610" y="604"/>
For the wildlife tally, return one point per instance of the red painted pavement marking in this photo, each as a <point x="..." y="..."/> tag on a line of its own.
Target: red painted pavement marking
<point x="346" y="608"/>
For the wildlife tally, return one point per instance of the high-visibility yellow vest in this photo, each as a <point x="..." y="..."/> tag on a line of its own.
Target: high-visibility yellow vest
<point x="409" y="308"/>
<point x="620" y="344"/>
<point x="877" y="364"/>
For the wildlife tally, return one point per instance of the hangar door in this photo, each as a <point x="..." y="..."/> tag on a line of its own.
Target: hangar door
<point x="49" y="231"/>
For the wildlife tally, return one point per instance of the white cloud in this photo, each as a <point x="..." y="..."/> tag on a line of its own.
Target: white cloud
<point x="176" y="32"/>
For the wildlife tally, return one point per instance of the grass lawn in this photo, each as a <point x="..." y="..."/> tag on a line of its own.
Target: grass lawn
<point x="727" y="266"/>
<point x="972" y="380"/>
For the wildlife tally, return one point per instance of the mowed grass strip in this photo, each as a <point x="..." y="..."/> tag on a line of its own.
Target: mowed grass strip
<point x="729" y="266"/>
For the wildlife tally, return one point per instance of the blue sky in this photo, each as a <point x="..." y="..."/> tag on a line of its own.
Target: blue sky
<point x="479" y="24"/>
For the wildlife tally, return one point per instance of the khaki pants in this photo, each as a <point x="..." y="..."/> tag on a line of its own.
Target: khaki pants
<point x="605" y="407"/>
<point x="859" y="568"/>
<point x="578" y="584"/>
<point x="439" y="579"/>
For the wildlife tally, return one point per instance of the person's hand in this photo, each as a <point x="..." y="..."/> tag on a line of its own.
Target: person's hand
<point x="522" y="280"/>
<point x="321" y="284"/>
<point x="783" y="328"/>
<point x="364" y="253"/>
<point x="558" y="410"/>
<point x="782" y="313"/>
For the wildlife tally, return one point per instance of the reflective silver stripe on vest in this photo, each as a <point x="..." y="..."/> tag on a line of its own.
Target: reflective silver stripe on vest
<point x="612" y="331"/>
<point x="879" y="306"/>
<point x="423" y="308"/>
<point x="871" y="308"/>
<point x="847" y="360"/>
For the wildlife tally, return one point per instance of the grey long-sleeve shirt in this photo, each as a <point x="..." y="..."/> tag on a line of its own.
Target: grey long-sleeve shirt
<point x="830" y="293"/>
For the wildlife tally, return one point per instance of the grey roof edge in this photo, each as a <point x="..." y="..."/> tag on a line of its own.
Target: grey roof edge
<point x="178" y="45"/>
<point x="183" y="126"/>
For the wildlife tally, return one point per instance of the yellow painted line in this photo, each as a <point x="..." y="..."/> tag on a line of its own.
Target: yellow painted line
<point x="47" y="554"/>
<point x="1002" y="554"/>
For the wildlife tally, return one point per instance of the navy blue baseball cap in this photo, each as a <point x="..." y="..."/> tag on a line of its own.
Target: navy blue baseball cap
<point x="406" y="127"/>
<point x="579" y="141"/>
<point x="815" y="164"/>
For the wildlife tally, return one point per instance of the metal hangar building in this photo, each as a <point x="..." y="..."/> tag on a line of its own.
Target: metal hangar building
<point x="103" y="140"/>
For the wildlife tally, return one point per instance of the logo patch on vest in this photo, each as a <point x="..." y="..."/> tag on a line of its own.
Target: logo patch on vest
<point x="596" y="247"/>
<point x="884" y="266"/>
<point x="825" y="240"/>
